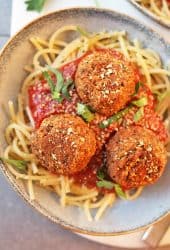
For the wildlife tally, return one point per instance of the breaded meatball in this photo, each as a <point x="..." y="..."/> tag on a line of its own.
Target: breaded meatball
<point x="64" y="144"/>
<point x="106" y="81"/>
<point x="135" y="157"/>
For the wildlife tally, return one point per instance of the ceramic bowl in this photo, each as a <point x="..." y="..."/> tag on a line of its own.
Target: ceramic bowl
<point x="150" y="14"/>
<point x="124" y="216"/>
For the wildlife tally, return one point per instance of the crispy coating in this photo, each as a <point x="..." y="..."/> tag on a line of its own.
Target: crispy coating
<point x="135" y="157"/>
<point x="106" y="81"/>
<point x="64" y="144"/>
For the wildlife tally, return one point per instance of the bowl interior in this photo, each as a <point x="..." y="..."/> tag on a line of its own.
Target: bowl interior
<point x="124" y="216"/>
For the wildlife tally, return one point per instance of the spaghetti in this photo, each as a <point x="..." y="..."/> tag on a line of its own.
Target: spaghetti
<point x="56" y="52"/>
<point x="160" y="8"/>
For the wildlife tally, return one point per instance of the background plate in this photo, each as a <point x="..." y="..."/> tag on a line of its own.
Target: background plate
<point x="149" y="13"/>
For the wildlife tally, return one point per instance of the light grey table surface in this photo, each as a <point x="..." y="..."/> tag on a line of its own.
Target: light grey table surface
<point x="22" y="228"/>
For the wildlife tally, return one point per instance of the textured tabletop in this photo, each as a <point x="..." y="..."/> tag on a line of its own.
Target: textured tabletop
<point x="22" y="228"/>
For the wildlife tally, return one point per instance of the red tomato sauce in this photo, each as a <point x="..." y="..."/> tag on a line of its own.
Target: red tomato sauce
<point x="150" y="119"/>
<point x="88" y="177"/>
<point x="42" y="106"/>
<point x="40" y="100"/>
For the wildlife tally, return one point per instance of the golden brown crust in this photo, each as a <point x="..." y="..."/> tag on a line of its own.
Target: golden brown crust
<point x="135" y="157"/>
<point x="64" y="144"/>
<point x="106" y="81"/>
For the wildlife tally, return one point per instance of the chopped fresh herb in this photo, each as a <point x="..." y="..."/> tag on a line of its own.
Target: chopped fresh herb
<point x="119" y="191"/>
<point x="55" y="94"/>
<point x="101" y="174"/>
<point x="49" y="80"/>
<point x="143" y="101"/>
<point x="137" y="87"/>
<point x="65" y="89"/>
<point x="138" y="115"/>
<point x="36" y="5"/>
<point x="59" y="77"/>
<point x="105" y="184"/>
<point x="83" y="32"/>
<point x="102" y="183"/>
<point x="139" y="103"/>
<point x="84" y="111"/>
<point x="115" y="118"/>
<point x="60" y="90"/>
<point x="18" y="164"/>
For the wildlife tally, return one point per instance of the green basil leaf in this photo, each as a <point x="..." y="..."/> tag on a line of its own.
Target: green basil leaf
<point x="104" y="124"/>
<point x="49" y="80"/>
<point x="83" y="32"/>
<point x="100" y="174"/>
<point x="36" y="5"/>
<point x="59" y="78"/>
<point x="109" y="185"/>
<point x="60" y="90"/>
<point x="105" y="184"/>
<point x="119" y="191"/>
<point x="65" y="89"/>
<point x="137" y="87"/>
<point x="18" y="164"/>
<point x="115" y="118"/>
<point x="55" y="94"/>
<point x="139" y="114"/>
<point x="143" y="101"/>
<point x="84" y="111"/>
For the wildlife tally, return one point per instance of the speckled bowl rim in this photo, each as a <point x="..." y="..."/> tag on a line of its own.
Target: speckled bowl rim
<point x="12" y="181"/>
<point x="149" y="14"/>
